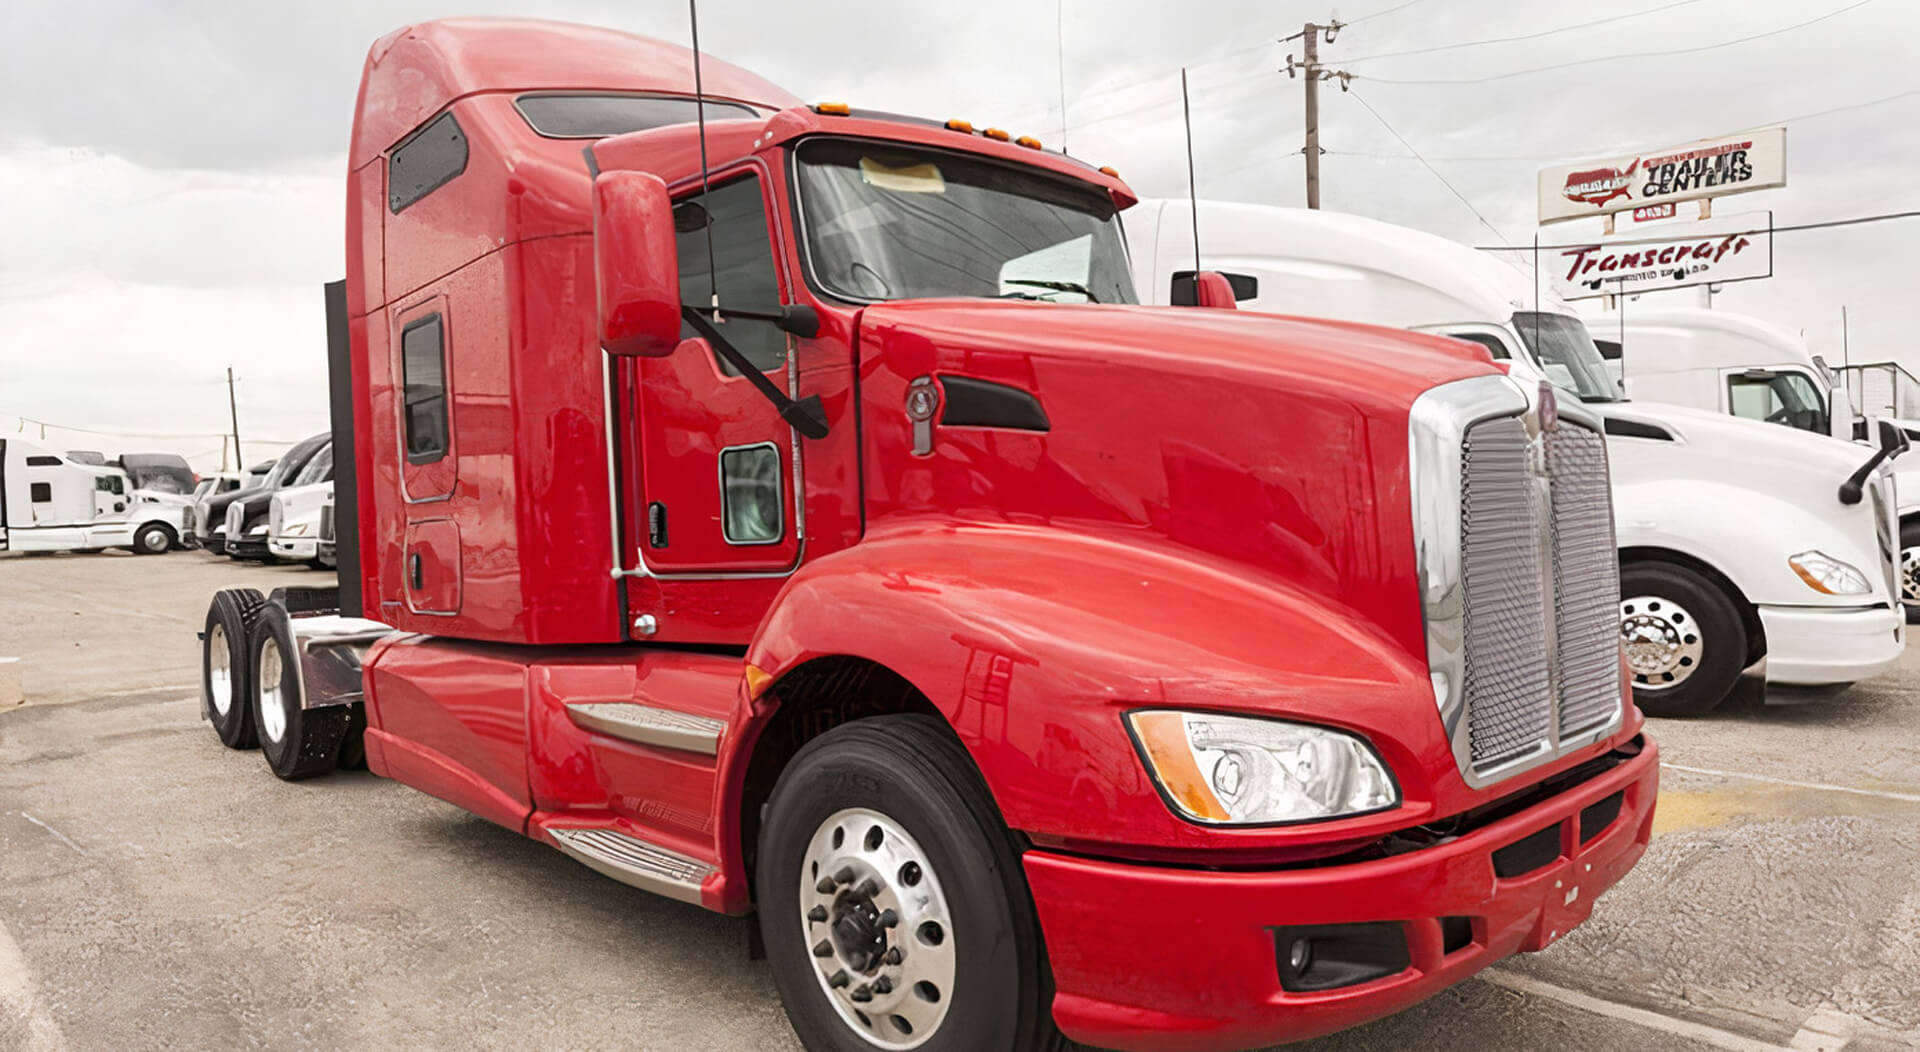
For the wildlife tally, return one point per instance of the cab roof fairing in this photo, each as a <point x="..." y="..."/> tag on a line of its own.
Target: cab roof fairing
<point x="416" y="71"/>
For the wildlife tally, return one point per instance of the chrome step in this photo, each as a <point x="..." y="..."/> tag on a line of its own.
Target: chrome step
<point x="650" y="726"/>
<point x="633" y="861"/>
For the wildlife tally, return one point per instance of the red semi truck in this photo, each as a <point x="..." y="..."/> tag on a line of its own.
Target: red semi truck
<point x="801" y="519"/>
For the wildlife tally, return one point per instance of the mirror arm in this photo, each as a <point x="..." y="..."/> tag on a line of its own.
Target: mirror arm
<point x="1851" y="489"/>
<point x="806" y="416"/>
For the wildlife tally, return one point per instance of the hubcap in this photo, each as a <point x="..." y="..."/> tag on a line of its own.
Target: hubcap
<point x="219" y="671"/>
<point x="273" y="714"/>
<point x="154" y="541"/>
<point x="1662" y="641"/>
<point x="877" y="926"/>
<point x="1910" y="574"/>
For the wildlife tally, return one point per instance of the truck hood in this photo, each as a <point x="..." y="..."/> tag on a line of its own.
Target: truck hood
<point x="1765" y="447"/>
<point x="1271" y="448"/>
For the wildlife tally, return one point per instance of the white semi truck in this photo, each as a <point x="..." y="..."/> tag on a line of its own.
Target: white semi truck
<point x="1737" y="551"/>
<point x="1725" y="362"/>
<point x="49" y="503"/>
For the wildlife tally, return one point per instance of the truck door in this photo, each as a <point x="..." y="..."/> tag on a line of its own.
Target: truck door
<point x="718" y="467"/>
<point x="109" y="498"/>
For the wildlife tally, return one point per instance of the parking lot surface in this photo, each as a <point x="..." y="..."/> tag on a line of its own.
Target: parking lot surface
<point x="160" y="891"/>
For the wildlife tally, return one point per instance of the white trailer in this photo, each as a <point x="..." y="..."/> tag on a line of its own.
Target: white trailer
<point x="1738" y="550"/>
<point x="49" y="503"/>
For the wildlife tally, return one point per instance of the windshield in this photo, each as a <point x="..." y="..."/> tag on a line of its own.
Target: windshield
<point x="290" y="464"/>
<point x="1567" y="355"/>
<point x="886" y="222"/>
<point x="319" y="469"/>
<point x="160" y="472"/>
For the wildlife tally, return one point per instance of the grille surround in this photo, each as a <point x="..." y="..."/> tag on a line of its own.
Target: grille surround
<point x="1519" y="576"/>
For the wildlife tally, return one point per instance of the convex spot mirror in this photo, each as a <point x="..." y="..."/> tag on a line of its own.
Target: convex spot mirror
<point x="636" y="265"/>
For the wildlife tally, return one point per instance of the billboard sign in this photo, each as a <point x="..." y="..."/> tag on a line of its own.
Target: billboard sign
<point x="1731" y="164"/>
<point x="1728" y="248"/>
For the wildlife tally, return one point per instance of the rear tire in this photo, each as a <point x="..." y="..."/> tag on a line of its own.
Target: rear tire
<point x="297" y="742"/>
<point x="1910" y="570"/>
<point x="153" y="539"/>
<point x="893" y="803"/>
<point x="226" y="674"/>
<point x="1684" y="639"/>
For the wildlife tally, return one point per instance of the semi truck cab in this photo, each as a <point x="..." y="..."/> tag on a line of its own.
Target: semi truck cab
<point x="798" y="516"/>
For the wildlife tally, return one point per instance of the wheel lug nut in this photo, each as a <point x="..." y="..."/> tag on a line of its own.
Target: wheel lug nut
<point x="868" y="889"/>
<point x="888" y="918"/>
<point x="845" y="876"/>
<point x="826" y="886"/>
<point x="893" y="956"/>
<point x="838" y="979"/>
<point x="883" y="985"/>
<point x="861" y="994"/>
<point x="823" y="948"/>
<point x="817" y="915"/>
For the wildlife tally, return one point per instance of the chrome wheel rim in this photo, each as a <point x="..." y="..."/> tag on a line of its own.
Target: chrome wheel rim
<point x="1662" y="641"/>
<point x="1910" y="575"/>
<point x="154" y="541"/>
<point x="219" y="671"/>
<point x="877" y="928"/>
<point x="273" y="715"/>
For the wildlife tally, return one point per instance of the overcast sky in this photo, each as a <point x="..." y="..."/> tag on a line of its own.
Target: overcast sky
<point x="171" y="170"/>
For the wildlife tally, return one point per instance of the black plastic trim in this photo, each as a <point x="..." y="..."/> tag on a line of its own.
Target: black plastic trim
<point x="346" y="467"/>
<point x="983" y="403"/>
<point x="1530" y="853"/>
<point x="1635" y="429"/>
<point x="1596" y="818"/>
<point x="1340" y="955"/>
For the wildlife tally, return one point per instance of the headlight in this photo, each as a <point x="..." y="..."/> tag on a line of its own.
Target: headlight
<point x="1233" y="770"/>
<point x="1828" y="575"/>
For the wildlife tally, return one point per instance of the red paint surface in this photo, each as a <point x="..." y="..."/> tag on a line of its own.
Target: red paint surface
<point x="1218" y="518"/>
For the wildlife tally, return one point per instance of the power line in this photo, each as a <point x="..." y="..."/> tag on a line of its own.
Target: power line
<point x="1526" y="36"/>
<point x="1792" y="228"/>
<point x="1382" y="14"/>
<point x="1796" y="118"/>
<point x="1638" y="54"/>
<point x="1436" y="172"/>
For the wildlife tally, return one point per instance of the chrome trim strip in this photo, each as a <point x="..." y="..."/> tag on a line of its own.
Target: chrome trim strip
<point x="630" y="860"/>
<point x="650" y="726"/>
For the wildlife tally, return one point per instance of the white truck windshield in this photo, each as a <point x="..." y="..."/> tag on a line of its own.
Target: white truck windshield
<point x="887" y="222"/>
<point x="1567" y="355"/>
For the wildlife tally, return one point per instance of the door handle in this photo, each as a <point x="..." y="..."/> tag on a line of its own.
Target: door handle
<point x="414" y="570"/>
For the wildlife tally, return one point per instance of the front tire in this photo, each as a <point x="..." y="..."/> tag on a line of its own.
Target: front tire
<point x="226" y="676"/>
<point x="891" y="899"/>
<point x="297" y="742"/>
<point x="1910" y="570"/>
<point x="1684" y="639"/>
<point x="153" y="539"/>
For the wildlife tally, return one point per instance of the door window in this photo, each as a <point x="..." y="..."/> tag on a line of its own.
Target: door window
<point x="743" y="274"/>
<point x="1778" y="398"/>
<point x="423" y="374"/>
<point x="750" y="496"/>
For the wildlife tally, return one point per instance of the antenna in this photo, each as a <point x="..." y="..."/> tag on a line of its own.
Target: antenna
<point x="1193" y="194"/>
<point x="1060" y="63"/>
<point x="700" y="114"/>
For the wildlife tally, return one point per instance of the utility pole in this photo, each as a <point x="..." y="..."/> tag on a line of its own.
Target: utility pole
<point x="233" y="409"/>
<point x="1309" y="37"/>
<point x="1843" y="337"/>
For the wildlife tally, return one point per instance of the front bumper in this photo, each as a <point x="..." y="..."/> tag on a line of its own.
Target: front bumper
<point x="297" y="550"/>
<point x="248" y="547"/>
<point x="1152" y="958"/>
<point x="1816" y="646"/>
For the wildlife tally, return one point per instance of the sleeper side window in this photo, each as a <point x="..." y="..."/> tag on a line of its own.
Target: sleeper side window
<point x="42" y="492"/>
<point x="43" y="462"/>
<point x="427" y="160"/>
<point x="423" y="375"/>
<point x="743" y="272"/>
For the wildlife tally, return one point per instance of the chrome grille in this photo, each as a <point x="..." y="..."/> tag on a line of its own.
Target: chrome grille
<point x="236" y="517"/>
<point x="326" y="522"/>
<point x="1508" y="703"/>
<point x="1586" y="579"/>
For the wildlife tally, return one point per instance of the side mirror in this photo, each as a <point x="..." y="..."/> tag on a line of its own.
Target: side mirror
<point x="1212" y="289"/>
<point x="636" y="265"/>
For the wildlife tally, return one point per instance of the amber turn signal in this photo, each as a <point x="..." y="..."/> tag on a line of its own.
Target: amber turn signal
<point x="1163" y="735"/>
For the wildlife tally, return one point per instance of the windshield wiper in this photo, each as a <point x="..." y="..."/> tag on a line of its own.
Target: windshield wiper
<point x="1057" y="286"/>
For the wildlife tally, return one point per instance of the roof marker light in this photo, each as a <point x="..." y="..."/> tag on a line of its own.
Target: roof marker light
<point x="960" y="126"/>
<point x="995" y="133"/>
<point x="833" y="109"/>
<point x="1108" y="170"/>
<point x="1029" y="142"/>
